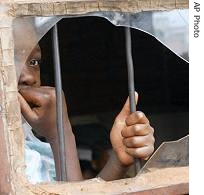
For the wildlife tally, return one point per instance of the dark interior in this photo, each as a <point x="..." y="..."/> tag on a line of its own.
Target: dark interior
<point x="94" y="76"/>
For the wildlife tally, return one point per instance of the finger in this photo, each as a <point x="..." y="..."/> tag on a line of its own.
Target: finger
<point x="34" y="96"/>
<point x="139" y="141"/>
<point x="126" y="108"/>
<point x="136" y="117"/>
<point x="143" y="152"/>
<point x="137" y="130"/>
<point x="27" y="112"/>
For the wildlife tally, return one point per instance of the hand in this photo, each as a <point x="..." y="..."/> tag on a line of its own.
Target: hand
<point x="38" y="106"/>
<point x="132" y="136"/>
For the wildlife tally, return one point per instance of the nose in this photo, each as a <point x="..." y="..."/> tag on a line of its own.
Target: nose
<point x="27" y="77"/>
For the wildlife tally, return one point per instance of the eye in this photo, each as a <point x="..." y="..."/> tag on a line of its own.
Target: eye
<point x="35" y="62"/>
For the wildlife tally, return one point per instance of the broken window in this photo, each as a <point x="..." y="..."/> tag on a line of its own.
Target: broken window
<point x="43" y="24"/>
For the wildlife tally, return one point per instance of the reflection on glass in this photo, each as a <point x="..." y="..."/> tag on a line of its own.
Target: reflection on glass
<point x="169" y="27"/>
<point x="172" y="29"/>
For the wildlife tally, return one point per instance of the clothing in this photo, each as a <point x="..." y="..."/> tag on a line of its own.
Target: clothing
<point x="40" y="166"/>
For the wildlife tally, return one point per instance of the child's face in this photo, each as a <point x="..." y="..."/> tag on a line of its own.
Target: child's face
<point x="30" y="74"/>
<point x="27" y="53"/>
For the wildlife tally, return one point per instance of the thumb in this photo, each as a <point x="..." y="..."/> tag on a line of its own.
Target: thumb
<point x="126" y="108"/>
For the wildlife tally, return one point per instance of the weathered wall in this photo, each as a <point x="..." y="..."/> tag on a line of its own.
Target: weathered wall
<point x="12" y="180"/>
<point x="49" y="7"/>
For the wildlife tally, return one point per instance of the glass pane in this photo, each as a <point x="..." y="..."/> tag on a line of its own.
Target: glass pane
<point x="169" y="27"/>
<point x="27" y="33"/>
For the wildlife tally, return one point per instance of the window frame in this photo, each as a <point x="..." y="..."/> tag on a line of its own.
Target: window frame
<point x="12" y="170"/>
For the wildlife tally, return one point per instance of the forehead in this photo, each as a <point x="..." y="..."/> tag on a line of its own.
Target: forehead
<point x="25" y="41"/>
<point x="36" y="52"/>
